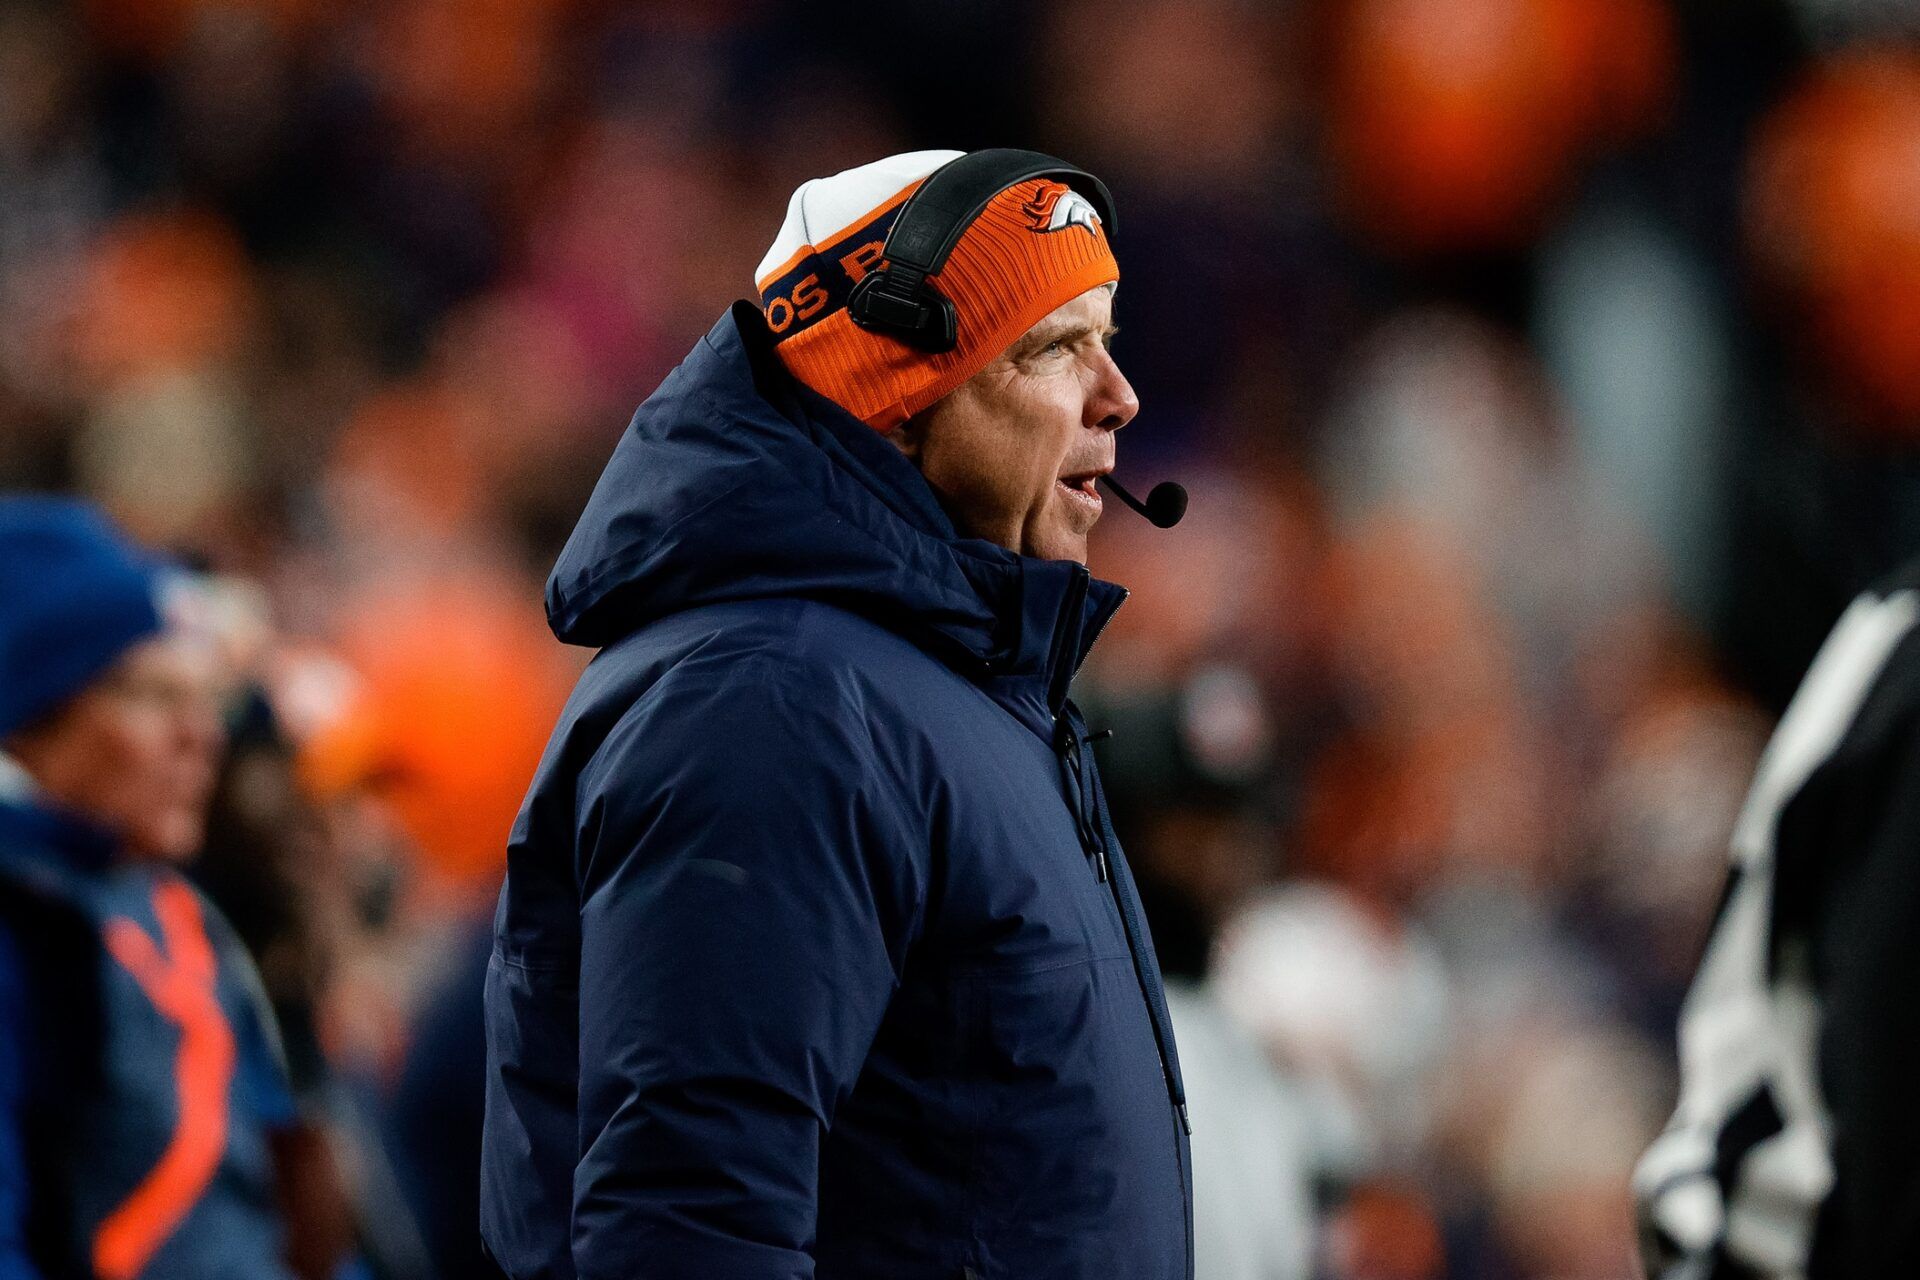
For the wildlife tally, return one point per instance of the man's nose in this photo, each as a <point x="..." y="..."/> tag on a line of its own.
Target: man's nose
<point x="200" y="726"/>
<point x="1113" y="402"/>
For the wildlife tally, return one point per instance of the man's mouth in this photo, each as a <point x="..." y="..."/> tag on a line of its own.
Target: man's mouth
<point x="1081" y="489"/>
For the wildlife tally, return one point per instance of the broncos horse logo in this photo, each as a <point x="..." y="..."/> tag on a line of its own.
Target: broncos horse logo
<point x="1057" y="206"/>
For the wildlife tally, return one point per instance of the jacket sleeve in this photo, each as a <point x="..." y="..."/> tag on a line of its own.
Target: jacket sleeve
<point x="750" y="881"/>
<point x="15" y="1047"/>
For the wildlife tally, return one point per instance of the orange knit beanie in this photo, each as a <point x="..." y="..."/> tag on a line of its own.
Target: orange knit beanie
<point x="1035" y="246"/>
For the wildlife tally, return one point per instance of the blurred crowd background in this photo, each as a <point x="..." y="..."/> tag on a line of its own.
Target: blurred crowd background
<point x="1545" y="373"/>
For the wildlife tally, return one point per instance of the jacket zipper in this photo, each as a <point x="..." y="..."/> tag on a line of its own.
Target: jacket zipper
<point x="1069" y="744"/>
<point x="1067" y="739"/>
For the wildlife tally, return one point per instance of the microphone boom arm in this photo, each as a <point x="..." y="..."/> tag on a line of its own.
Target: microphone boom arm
<point x="1164" y="506"/>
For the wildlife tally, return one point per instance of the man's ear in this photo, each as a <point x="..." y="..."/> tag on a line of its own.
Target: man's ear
<point x="910" y="437"/>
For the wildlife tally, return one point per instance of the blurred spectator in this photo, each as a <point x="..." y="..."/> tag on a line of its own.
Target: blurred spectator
<point x="1563" y="1149"/>
<point x="1456" y="123"/>
<point x="1254" y="1196"/>
<point x="1832" y="221"/>
<point x="1354" y="1008"/>
<point x="145" y="1120"/>
<point x="445" y="722"/>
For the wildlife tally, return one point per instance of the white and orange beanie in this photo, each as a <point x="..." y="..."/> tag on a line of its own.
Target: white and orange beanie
<point x="1018" y="261"/>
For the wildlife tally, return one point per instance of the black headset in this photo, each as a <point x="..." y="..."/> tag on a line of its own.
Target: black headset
<point x="897" y="299"/>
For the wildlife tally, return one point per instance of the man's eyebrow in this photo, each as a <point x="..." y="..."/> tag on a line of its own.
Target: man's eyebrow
<point x="1041" y="338"/>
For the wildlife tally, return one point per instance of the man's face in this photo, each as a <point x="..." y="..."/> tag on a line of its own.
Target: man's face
<point x="136" y="752"/>
<point x="1013" y="452"/>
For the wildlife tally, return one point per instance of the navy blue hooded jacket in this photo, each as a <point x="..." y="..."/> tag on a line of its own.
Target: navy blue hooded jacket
<point x="817" y="955"/>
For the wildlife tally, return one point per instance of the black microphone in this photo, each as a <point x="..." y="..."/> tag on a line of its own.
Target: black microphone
<point x="1163" y="507"/>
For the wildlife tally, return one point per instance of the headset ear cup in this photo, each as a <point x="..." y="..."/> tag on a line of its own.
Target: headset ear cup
<point x="924" y="319"/>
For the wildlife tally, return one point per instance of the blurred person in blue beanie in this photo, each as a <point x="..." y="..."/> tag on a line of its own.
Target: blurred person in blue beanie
<point x="140" y="1080"/>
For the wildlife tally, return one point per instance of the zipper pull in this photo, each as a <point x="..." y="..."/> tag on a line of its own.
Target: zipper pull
<point x="1184" y="1122"/>
<point x="1100" y="862"/>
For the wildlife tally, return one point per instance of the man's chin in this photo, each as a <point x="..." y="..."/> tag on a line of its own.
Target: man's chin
<point x="172" y="838"/>
<point x="1058" y="546"/>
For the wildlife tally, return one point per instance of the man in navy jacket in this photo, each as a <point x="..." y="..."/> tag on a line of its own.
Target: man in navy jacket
<point x="817" y="955"/>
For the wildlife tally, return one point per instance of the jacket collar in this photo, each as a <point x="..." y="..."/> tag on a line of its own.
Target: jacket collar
<point x="52" y="845"/>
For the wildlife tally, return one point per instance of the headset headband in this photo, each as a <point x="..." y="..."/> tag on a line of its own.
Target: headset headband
<point x="897" y="299"/>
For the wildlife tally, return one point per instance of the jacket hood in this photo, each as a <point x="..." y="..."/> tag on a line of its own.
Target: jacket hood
<point x="736" y="482"/>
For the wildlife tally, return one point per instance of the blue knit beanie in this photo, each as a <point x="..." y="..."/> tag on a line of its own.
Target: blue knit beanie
<point x="75" y="594"/>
